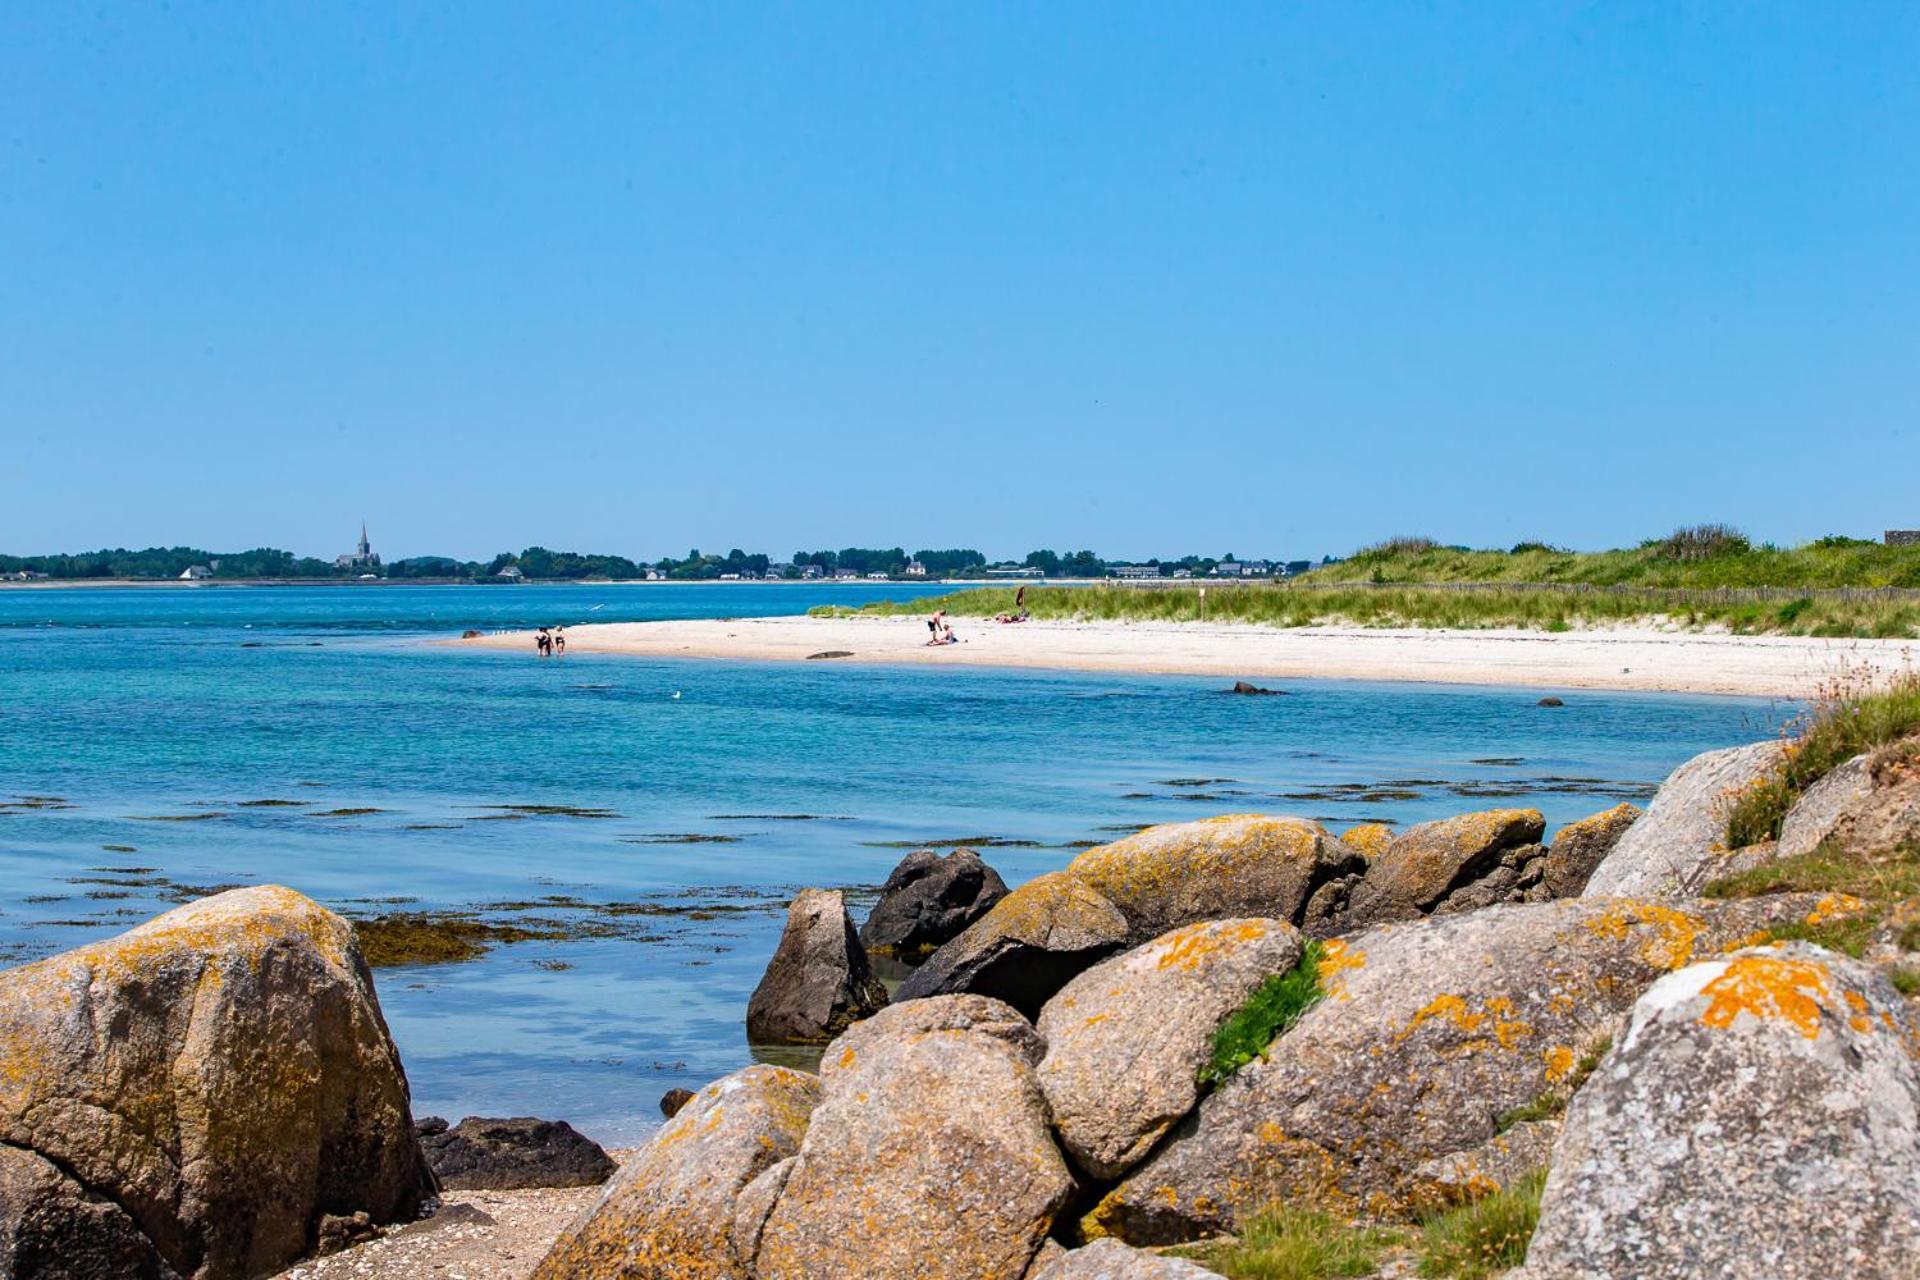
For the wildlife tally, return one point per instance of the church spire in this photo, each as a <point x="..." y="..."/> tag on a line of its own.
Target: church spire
<point x="365" y="546"/>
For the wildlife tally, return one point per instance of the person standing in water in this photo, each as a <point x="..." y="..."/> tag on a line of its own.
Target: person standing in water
<point x="559" y="640"/>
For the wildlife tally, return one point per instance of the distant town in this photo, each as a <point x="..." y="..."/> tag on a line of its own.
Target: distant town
<point x="539" y="564"/>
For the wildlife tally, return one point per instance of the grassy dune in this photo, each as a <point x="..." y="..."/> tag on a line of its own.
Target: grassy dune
<point x="1695" y="579"/>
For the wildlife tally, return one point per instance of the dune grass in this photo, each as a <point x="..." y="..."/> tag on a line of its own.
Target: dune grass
<point x="1483" y="1238"/>
<point x="1304" y="605"/>
<point x="1275" y="1005"/>
<point x="1287" y="1243"/>
<point x="1849" y="719"/>
<point x="1693" y="578"/>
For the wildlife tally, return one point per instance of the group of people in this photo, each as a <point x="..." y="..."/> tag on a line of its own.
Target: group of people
<point x="1019" y="613"/>
<point x="942" y="630"/>
<point x="549" y="642"/>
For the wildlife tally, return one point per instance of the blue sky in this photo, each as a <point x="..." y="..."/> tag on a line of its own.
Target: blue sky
<point x="1274" y="279"/>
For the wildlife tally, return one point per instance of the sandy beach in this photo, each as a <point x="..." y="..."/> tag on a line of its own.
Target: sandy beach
<point x="1628" y="659"/>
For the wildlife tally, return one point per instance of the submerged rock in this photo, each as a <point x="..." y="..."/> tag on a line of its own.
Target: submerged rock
<point x="1673" y="849"/>
<point x="818" y="982"/>
<point x="1581" y="846"/>
<point x="1761" y="1117"/>
<point x="928" y="1158"/>
<point x="199" y="1095"/>
<point x="503" y="1155"/>
<point x="672" y="1100"/>
<point x="928" y="900"/>
<point x="1427" y="1034"/>
<point x="670" y="1211"/>
<point x="1127" y="1038"/>
<point x="1027" y="947"/>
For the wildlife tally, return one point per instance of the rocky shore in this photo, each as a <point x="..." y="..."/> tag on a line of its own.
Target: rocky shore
<point x="1676" y="1058"/>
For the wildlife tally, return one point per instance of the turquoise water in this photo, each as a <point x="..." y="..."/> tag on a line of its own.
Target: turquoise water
<point x="156" y="719"/>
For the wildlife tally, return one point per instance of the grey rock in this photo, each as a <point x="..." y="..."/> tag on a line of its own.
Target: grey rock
<point x="1027" y="947"/>
<point x="503" y="1155"/>
<point x="978" y="1015"/>
<point x="1112" y="1260"/>
<point x="1427" y="1033"/>
<point x="1454" y="864"/>
<point x="1127" y="1038"/>
<point x="1579" y="847"/>
<point x="1673" y="849"/>
<point x="1761" y="1117"/>
<point x="819" y="981"/>
<point x="929" y="1157"/>
<point x="1496" y="1164"/>
<point x="670" y="1211"/>
<point x="928" y="900"/>
<point x="1870" y="804"/>
<point x="220" y="1077"/>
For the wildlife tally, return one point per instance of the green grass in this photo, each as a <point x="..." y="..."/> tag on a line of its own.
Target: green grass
<point x="1483" y="1238"/>
<point x="1846" y="722"/>
<point x="1286" y="1243"/>
<point x="1881" y="881"/>
<point x="1275" y="1005"/>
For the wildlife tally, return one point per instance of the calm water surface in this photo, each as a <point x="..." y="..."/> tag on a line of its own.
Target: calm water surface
<point x="152" y="722"/>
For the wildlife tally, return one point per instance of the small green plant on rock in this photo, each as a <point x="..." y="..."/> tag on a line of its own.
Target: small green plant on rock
<point x="1275" y="1005"/>
<point x="1486" y="1237"/>
<point x="1288" y="1243"/>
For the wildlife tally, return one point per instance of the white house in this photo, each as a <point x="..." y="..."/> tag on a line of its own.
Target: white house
<point x="511" y="573"/>
<point x="195" y="572"/>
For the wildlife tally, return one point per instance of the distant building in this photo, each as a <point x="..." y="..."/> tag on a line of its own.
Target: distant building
<point x="781" y="570"/>
<point x="1227" y="569"/>
<point x="195" y="573"/>
<point x="1014" y="571"/>
<point x="812" y="571"/>
<point x="654" y="575"/>
<point x="1182" y="573"/>
<point x="1903" y="537"/>
<point x="362" y="556"/>
<point x="915" y="569"/>
<point x="1133" y="571"/>
<point x="878" y="575"/>
<point x="512" y="574"/>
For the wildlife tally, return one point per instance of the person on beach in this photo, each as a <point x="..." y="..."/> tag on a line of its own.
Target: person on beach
<point x="559" y="640"/>
<point x="543" y="643"/>
<point x="942" y="633"/>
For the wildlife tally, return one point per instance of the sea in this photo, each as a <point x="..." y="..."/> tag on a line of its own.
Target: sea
<point x="640" y="824"/>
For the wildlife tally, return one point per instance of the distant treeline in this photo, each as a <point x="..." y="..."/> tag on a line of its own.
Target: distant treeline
<point x="545" y="564"/>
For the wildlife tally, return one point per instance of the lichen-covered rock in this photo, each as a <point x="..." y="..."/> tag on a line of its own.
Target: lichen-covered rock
<point x="507" y="1154"/>
<point x="1870" y="804"/>
<point x="929" y="1157"/>
<point x="1111" y="1260"/>
<point x="1428" y="1032"/>
<point x="1370" y="838"/>
<point x="1454" y="864"/>
<point x="819" y="981"/>
<point x="670" y="1212"/>
<point x="1215" y="869"/>
<point x="1126" y="1039"/>
<point x="928" y="900"/>
<point x="1674" y="848"/>
<point x="1761" y="1117"/>
<point x="1027" y="947"/>
<point x="1581" y="846"/>
<point x="978" y="1015"/>
<point x="219" y="1079"/>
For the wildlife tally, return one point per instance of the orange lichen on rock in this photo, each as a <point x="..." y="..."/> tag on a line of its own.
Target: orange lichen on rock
<point x="1370" y="838"/>
<point x="1768" y="988"/>
<point x="1560" y="1061"/>
<point x="1190" y="947"/>
<point x="1835" y="906"/>
<point x="1336" y="959"/>
<point x="1674" y="932"/>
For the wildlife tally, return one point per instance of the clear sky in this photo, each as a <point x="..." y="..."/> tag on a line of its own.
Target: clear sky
<point x="1156" y="278"/>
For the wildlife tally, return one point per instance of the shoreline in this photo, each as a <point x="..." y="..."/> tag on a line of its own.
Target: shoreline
<point x="1623" y="659"/>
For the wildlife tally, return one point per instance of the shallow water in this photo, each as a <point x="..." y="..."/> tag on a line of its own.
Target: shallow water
<point x="159" y="718"/>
